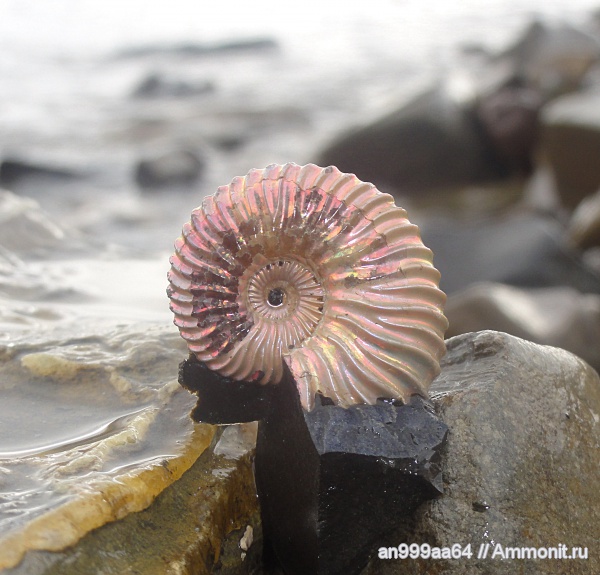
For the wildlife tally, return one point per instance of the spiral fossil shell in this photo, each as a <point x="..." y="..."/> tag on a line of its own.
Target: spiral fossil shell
<point x="313" y="267"/>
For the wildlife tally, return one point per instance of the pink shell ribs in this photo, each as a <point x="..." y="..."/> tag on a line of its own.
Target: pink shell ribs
<point x="313" y="267"/>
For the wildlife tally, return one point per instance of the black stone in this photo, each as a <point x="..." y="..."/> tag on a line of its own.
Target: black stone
<point x="222" y="400"/>
<point x="331" y="482"/>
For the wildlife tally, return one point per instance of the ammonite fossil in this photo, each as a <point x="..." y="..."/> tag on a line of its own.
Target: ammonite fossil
<point x="313" y="267"/>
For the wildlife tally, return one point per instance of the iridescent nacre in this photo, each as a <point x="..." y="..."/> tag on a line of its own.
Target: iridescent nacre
<point x="313" y="267"/>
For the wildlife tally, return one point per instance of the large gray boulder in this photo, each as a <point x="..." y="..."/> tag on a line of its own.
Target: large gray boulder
<point x="431" y="143"/>
<point x="521" y="467"/>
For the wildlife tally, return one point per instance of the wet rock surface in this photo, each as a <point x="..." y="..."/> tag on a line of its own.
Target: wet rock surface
<point x="520" y="467"/>
<point x="92" y="428"/>
<point x="93" y="423"/>
<point x="194" y="526"/>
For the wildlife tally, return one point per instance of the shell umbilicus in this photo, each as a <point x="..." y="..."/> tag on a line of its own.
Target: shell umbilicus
<point x="313" y="267"/>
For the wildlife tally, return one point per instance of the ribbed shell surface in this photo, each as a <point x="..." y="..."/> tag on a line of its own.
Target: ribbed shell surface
<point x="313" y="267"/>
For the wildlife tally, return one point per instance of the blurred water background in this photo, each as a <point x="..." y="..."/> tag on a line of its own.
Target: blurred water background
<point x="69" y="70"/>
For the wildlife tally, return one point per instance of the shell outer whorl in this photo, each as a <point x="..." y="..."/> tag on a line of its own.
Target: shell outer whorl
<point x="313" y="267"/>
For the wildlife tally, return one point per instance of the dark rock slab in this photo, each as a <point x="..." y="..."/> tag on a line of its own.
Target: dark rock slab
<point x="331" y="482"/>
<point x="520" y="249"/>
<point x="222" y="400"/>
<point x="521" y="463"/>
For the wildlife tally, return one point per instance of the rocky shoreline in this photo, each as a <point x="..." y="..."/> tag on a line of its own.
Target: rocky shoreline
<point x="499" y="164"/>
